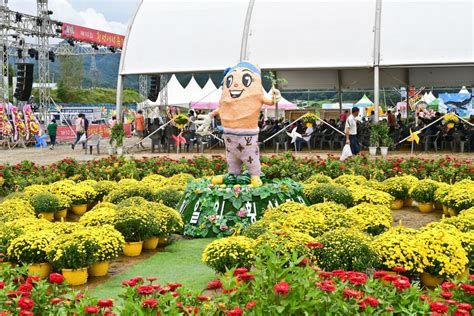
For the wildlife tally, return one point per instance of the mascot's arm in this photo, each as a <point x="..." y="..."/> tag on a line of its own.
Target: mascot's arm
<point x="277" y="97"/>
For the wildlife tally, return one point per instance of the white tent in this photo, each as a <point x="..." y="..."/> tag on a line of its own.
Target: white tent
<point x="175" y="94"/>
<point x="208" y="88"/>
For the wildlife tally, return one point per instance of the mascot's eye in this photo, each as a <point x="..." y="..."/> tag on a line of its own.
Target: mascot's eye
<point x="228" y="81"/>
<point x="247" y="80"/>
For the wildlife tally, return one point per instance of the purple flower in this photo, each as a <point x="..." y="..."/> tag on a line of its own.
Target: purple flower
<point x="223" y="227"/>
<point x="242" y="213"/>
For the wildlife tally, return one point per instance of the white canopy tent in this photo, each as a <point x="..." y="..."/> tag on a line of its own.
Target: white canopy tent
<point x="358" y="44"/>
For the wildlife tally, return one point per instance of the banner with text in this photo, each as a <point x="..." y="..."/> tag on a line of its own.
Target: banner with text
<point x="66" y="133"/>
<point x="80" y="33"/>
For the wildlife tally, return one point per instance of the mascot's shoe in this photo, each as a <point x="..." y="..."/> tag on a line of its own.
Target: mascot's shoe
<point x="217" y="180"/>
<point x="256" y="181"/>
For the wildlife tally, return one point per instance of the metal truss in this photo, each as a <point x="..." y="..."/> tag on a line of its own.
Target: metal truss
<point x="143" y="87"/>
<point x="43" y="24"/>
<point x="4" y="54"/>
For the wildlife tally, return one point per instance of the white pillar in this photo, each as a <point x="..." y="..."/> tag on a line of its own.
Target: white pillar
<point x="119" y="98"/>
<point x="378" y="16"/>
<point x="376" y="93"/>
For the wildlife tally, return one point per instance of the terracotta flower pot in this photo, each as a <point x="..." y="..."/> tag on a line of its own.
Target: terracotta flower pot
<point x="397" y="204"/>
<point x="79" y="209"/>
<point x="438" y="206"/>
<point x="132" y="249"/>
<point x="75" y="276"/>
<point x="151" y="243"/>
<point x="99" y="269"/>
<point x="425" y="207"/>
<point x="427" y="279"/>
<point x="61" y="214"/>
<point x="47" y="216"/>
<point x="408" y="202"/>
<point x="40" y="269"/>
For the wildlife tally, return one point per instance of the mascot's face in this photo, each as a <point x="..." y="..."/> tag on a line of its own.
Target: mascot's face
<point x="242" y="85"/>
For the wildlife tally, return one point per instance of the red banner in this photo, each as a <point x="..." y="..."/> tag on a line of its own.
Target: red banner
<point x="75" y="32"/>
<point x="65" y="133"/>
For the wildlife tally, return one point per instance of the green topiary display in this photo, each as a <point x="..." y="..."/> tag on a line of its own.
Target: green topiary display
<point x="45" y="203"/>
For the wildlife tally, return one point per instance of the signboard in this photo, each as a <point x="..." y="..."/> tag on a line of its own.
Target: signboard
<point x="92" y="114"/>
<point x="75" y="32"/>
<point x="66" y="133"/>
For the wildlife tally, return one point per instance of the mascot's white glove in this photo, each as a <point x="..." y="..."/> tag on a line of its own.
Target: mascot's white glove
<point x="277" y="94"/>
<point x="204" y="123"/>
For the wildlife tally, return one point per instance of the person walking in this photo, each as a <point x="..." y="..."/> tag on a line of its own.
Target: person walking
<point x="80" y="129"/>
<point x="52" y="130"/>
<point x="140" y="127"/>
<point x="351" y="131"/>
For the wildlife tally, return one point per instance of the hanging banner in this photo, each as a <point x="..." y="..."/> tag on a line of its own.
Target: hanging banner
<point x="84" y="34"/>
<point x="66" y="133"/>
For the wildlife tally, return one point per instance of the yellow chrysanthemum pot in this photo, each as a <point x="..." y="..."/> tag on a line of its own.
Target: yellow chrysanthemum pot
<point x="450" y="125"/>
<point x="40" y="269"/>
<point x="151" y="243"/>
<point x="451" y="211"/>
<point x="61" y="214"/>
<point x="438" y="206"/>
<point x="163" y="241"/>
<point x="75" y="276"/>
<point x="47" y="215"/>
<point x="425" y="207"/>
<point x="79" y="209"/>
<point x="99" y="269"/>
<point x="408" y="202"/>
<point x="429" y="280"/>
<point x="133" y="249"/>
<point x="445" y="210"/>
<point x="397" y="204"/>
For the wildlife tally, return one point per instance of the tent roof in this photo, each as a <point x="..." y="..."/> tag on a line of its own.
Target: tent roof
<point x="364" y="101"/>
<point x="209" y="35"/>
<point x="176" y="94"/>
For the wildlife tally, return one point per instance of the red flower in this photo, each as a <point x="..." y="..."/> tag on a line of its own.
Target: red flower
<point x="151" y="279"/>
<point x="26" y="287"/>
<point x="465" y="306"/>
<point x="469" y="288"/>
<point x="56" y="300"/>
<point x="401" y="284"/>
<point x="324" y="274"/>
<point x="2" y="285"/>
<point x="203" y="298"/>
<point x="91" y="310"/>
<point x="451" y="302"/>
<point x="372" y="301"/>
<point x="174" y="286"/>
<point x="314" y="244"/>
<point x="250" y="305"/>
<point x="357" y="278"/>
<point x="390" y="278"/>
<point x="145" y="290"/>
<point x="448" y="285"/>
<point x="33" y="278"/>
<point x="240" y="271"/>
<point x="26" y="313"/>
<point x="26" y="303"/>
<point x="326" y="286"/>
<point x="214" y="285"/>
<point x="399" y="269"/>
<point x="246" y="277"/>
<point x="281" y="288"/>
<point x="461" y="312"/>
<point x="362" y="305"/>
<point x="446" y="295"/>
<point x="150" y="303"/>
<point x="105" y="303"/>
<point x="379" y="274"/>
<point x="236" y="311"/>
<point x="424" y="298"/>
<point x="348" y="293"/>
<point x="438" y="307"/>
<point x="305" y="262"/>
<point x="56" y="278"/>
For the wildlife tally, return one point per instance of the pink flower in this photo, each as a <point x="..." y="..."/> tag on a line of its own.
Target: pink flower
<point x="242" y="213"/>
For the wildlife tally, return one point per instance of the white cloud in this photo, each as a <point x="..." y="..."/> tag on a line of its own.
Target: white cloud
<point x="65" y="12"/>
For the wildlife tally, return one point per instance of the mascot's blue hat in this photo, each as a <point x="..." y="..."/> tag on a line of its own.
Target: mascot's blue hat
<point x="244" y="64"/>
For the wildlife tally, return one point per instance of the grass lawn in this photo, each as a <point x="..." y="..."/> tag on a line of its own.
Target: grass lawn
<point x="180" y="262"/>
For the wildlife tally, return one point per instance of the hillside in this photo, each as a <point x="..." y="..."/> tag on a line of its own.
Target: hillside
<point x="96" y="95"/>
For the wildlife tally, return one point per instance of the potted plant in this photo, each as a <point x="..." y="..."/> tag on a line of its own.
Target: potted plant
<point x="116" y="137"/>
<point x="398" y="188"/>
<point x="45" y="205"/>
<point x="180" y="120"/>
<point x="374" y="139"/>
<point x="309" y="119"/>
<point x="424" y="193"/>
<point x="450" y="120"/>
<point x="385" y="139"/>
<point x="72" y="254"/>
<point x="31" y="249"/>
<point x="135" y="223"/>
<point x="80" y="195"/>
<point x="166" y="221"/>
<point x="110" y="243"/>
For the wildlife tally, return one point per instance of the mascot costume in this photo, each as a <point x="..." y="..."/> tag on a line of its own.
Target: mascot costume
<point x="239" y="109"/>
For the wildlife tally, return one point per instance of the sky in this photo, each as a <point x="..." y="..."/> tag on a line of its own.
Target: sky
<point x="105" y="15"/>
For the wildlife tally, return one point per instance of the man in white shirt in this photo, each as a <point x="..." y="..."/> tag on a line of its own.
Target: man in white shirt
<point x="351" y="131"/>
<point x="80" y="129"/>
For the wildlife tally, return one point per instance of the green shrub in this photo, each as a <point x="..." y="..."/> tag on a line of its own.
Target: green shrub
<point x="424" y="191"/>
<point x="255" y="229"/>
<point x="45" y="203"/>
<point x="118" y="195"/>
<point x="168" y="196"/>
<point x="323" y="192"/>
<point x="318" y="178"/>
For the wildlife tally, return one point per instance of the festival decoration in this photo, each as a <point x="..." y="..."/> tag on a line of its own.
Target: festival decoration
<point x="450" y="120"/>
<point x="31" y="121"/>
<point x="179" y="139"/>
<point x="18" y="124"/>
<point x="414" y="137"/>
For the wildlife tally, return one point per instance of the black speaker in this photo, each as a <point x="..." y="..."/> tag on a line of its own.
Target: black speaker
<point x="24" y="81"/>
<point x="154" y="88"/>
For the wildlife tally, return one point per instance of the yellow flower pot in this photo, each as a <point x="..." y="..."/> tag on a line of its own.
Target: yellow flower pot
<point x="61" y="214"/>
<point x="48" y="216"/>
<point x="451" y="212"/>
<point x="427" y="279"/>
<point x="425" y="207"/>
<point x="79" y="209"/>
<point x="397" y="204"/>
<point x="132" y="249"/>
<point x="450" y="125"/>
<point x="40" y="269"/>
<point x="163" y="241"/>
<point x="151" y="243"/>
<point x="445" y="210"/>
<point x="75" y="276"/>
<point x="99" y="269"/>
<point x="438" y="206"/>
<point x="408" y="202"/>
